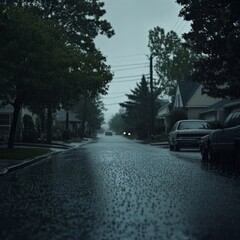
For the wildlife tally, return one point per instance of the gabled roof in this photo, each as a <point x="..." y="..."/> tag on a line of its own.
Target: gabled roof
<point x="168" y="106"/>
<point x="61" y="116"/>
<point x="187" y="89"/>
<point x="224" y="103"/>
<point x="217" y="106"/>
<point x="164" y="102"/>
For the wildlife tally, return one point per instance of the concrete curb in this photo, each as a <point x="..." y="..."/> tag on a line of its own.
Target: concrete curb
<point x="31" y="161"/>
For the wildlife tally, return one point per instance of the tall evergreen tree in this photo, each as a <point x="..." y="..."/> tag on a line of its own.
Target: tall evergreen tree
<point x="117" y="123"/>
<point x="138" y="108"/>
<point x="215" y="37"/>
<point x="90" y="110"/>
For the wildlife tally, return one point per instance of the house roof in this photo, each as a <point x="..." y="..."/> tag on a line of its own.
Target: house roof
<point x="224" y="103"/>
<point x="164" y="103"/>
<point x="216" y="106"/>
<point x="187" y="89"/>
<point x="61" y="116"/>
<point x="167" y="105"/>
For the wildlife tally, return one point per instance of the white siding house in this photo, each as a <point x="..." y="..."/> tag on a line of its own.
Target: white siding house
<point x="189" y="97"/>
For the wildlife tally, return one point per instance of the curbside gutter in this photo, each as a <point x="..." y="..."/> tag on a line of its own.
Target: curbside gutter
<point x="28" y="162"/>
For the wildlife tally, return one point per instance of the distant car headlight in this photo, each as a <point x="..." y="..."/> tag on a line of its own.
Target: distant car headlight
<point x="129" y="134"/>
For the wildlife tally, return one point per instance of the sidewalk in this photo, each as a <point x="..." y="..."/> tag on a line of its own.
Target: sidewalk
<point x="9" y="165"/>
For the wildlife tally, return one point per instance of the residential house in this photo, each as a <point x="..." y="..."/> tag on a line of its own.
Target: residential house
<point x="73" y="122"/>
<point x="190" y="98"/>
<point x="220" y="110"/>
<point x="6" y="116"/>
<point x="163" y="112"/>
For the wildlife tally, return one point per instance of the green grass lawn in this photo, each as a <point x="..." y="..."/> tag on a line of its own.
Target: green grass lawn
<point x="22" y="153"/>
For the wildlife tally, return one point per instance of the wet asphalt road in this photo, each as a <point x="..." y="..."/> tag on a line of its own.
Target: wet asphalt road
<point x="115" y="188"/>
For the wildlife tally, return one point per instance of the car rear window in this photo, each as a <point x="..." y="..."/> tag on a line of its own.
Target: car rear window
<point x="194" y="125"/>
<point x="235" y="120"/>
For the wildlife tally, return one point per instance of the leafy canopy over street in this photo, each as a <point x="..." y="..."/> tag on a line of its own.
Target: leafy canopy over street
<point x="47" y="55"/>
<point x="174" y="62"/>
<point x="215" y="37"/>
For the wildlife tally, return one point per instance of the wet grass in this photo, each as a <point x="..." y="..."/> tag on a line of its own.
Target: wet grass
<point x="22" y="153"/>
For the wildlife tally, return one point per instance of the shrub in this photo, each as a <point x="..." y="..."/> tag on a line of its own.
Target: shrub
<point x="176" y="115"/>
<point x="66" y="135"/>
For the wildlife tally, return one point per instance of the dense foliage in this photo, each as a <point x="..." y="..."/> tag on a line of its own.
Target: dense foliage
<point x="174" y="116"/>
<point x="173" y="60"/>
<point x="47" y="55"/>
<point x="25" y="68"/>
<point x="90" y="110"/>
<point x="117" y="123"/>
<point x="215" y="37"/>
<point x="82" y="20"/>
<point x="138" y="115"/>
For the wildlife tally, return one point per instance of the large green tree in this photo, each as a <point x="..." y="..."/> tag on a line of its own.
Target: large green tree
<point x="29" y="45"/>
<point x="90" y="111"/>
<point x="215" y="37"/>
<point x="173" y="60"/>
<point x="138" y="115"/>
<point x="117" y="123"/>
<point x="82" y="19"/>
<point x="65" y="69"/>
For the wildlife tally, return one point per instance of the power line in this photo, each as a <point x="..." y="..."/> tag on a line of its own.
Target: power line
<point x="131" y="76"/>
<point x="179" y="26"/>
<point x="132" y="55"/>
<point x="182" y="28"/>
<point x="132" y="80"/>
<point x="176" y="23"/>
<point x="114" y="97"/>
<point x="132" y="64"/>
<point x="109" y="104"/>
<point x="124" y="69"/>
<point x="113" y="93"/>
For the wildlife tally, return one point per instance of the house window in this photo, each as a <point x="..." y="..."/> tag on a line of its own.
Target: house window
<point x="4" y="119"/>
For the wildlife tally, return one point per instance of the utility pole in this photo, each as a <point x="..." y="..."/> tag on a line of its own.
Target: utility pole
<point x="151" y="95"/>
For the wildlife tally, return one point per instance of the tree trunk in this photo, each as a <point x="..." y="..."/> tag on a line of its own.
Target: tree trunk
<point x="17" y="107"/>
<point x="84" y="115"/>
<point x="49" y="125"/>
<point x="67" y="120"/>
<point x="42" y="121"/>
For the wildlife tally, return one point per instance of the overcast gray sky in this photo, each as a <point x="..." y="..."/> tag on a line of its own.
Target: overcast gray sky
<point x="127" y="50"/>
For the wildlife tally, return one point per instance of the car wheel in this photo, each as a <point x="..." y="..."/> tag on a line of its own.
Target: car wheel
<point x="211" y="155"/>
<point x="170" y="147"/>
<point x="214" y="156"/>
<point x="204" y="153"/>
<point x="237" y="154"/>
<point x="176" y="147"/>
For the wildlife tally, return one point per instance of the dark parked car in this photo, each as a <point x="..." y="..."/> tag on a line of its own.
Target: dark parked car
<point x="187" y="133"/>
<point x="223" y="142"/>
<point x="108" y="133"/>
